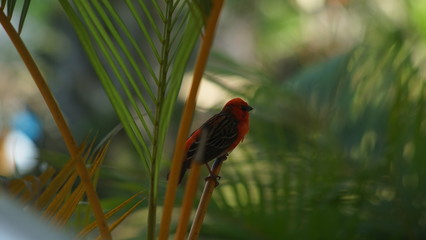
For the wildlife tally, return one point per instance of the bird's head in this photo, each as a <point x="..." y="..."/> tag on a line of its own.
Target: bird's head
<point x="238" y="108"/>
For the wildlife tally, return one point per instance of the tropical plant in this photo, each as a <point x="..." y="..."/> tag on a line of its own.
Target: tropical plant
<point x="336" y="146"/>
<point x="141" y="78"/>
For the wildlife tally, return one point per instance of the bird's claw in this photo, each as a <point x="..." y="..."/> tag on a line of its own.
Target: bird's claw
<point x="215" y="178"/>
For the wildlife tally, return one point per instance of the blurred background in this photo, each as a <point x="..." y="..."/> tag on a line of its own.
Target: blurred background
<point x="337" y="146"/>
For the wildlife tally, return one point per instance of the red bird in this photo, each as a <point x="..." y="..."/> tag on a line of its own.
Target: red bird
<point x="220" y="134"/>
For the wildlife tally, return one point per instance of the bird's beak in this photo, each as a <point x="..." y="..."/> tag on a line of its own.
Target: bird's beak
<point x="247" y="108"/>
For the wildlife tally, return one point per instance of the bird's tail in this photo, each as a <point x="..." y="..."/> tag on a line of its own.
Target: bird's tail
<point x="182" y="172"/>
<point x="185" y="166"/>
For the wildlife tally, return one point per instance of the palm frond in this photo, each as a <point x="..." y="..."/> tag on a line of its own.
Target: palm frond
<point x="140" y="54"/>
<point x="56" y="194"/>
<point x="117" y="58"/>
<point x="59" y="119"/>
<point x="10" y="6"/>
<point x="90" y="227"/>
<point x="24" y="12"/>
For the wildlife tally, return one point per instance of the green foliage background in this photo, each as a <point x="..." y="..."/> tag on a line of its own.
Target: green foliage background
<point x="336" y="148"/>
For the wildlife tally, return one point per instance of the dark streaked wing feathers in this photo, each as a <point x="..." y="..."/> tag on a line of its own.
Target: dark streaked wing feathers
<point x="222" y="133"/>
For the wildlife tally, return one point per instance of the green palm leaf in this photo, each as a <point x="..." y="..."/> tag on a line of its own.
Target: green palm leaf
<point x="10" y="6"/>
<point x="140" y="52"/>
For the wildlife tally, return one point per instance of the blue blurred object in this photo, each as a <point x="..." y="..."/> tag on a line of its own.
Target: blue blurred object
<point x="20" y="153"/>
<point x="28" y="123"/>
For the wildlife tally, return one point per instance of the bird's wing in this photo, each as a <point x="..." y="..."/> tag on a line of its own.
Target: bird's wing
<point x="220" y="131"/>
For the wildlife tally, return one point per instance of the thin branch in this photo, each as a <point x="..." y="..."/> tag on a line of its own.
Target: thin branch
<point x="191" y="188"/>
<point x="204" y="201"/>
